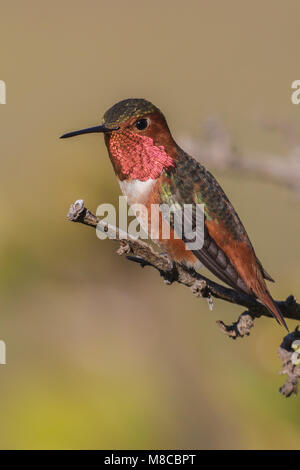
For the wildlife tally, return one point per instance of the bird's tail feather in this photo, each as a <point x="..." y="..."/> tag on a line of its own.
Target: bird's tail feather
<point x="267" y="300"/>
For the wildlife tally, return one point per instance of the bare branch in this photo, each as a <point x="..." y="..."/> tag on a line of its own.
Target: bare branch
<point x="219" y="152"/>
<point x="289" y="368"/>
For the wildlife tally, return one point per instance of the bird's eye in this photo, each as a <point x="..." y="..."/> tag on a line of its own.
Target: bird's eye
<point x="141" y="124"/>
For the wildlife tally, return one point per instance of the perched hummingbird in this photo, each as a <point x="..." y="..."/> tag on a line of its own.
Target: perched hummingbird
<point x="152" y="169"/>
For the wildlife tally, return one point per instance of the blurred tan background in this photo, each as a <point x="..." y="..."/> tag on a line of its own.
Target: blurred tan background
<point x="99" y="353"/>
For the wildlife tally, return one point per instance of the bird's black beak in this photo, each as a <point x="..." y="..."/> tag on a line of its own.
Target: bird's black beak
<point x="90" y="130"/>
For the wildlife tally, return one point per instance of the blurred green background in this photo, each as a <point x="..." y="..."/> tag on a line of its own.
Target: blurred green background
<point x="99" y="353"/>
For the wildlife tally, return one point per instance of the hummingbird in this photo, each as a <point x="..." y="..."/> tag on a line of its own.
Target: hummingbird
<point x="153" y="170"/>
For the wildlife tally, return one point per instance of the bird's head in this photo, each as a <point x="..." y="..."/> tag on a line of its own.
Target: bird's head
<point x="138" y="139"/>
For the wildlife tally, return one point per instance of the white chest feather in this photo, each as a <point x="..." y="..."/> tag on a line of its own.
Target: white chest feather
<point x="137" y="191"/>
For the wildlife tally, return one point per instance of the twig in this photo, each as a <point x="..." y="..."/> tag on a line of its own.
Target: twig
<point x="286" y="354"/>
<point x="218" y="151"/>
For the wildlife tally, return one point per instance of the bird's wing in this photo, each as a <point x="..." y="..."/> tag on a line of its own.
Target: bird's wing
<point x="211" y="255"/>
<point x="227" y="251"/>
<point x="225" y="238"/>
